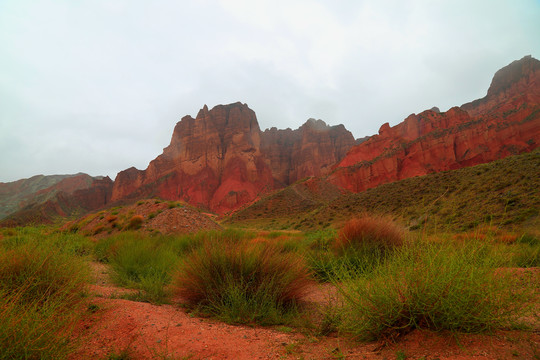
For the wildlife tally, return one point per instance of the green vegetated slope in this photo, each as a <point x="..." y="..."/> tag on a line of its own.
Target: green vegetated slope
<point x="503" y="192"/>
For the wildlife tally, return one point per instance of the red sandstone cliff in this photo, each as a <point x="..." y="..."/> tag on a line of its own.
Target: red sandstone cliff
<point x="213" y="161"/>
<point x="311" y="150"/>
<point x="505" y="122"/>
<point x="221" y="160"/>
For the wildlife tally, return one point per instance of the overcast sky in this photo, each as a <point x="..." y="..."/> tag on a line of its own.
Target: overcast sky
<point x="96" y="86"/>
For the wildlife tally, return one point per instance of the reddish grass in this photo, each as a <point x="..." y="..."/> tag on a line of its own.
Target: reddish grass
<point x="135" y="222"/>
<point x="368" y="230"/>
<point x="111" y="218"/>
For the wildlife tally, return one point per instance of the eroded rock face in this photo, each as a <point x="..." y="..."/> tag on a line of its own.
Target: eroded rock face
<point x="221" y="160"/>
<point x="213" y="161"/>
<point x="311" y="150"/>
<point x="505" y="122"/>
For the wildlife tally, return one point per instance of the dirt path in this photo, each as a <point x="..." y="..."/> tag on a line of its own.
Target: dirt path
<point x="146" y="331"/>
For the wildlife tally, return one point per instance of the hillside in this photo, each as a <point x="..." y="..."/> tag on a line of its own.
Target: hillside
<point x="65" y="196"/>
<point x="13" y="195"/>
<point x="505" y="122"/>
<point x="505" y="192"/>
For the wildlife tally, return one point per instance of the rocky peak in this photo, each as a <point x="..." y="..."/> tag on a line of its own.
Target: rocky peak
<point x="505" y="122"/>
<point x="512" y="86"/>
<point x="512" y="74"/>
<point x="316" y="125"/>
<point x="213" y="161"/>
<point x="221" y="160"/>
<point x="310" y="150"/>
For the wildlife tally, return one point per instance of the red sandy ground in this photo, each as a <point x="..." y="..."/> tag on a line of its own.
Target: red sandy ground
<point x="148" y="331"/>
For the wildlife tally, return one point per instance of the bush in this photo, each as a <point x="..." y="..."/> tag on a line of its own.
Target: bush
<point x="370" y="232"/>
<point x="242" y="282"/>
<point x="111" y="218"/>
<point x="41" y="272"/>
<point x="140" y="262"/>
<point x="135" y="222"/>
<point x="362" y="244"/>
<point x="40" y="299"/>
<point x="433" y="286"/>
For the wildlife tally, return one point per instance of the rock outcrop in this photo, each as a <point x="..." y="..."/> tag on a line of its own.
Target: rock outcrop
<point x="213" y="161"/>
<point x="505" y="122"/>
<point x="221" y="160"/>
<point x="311" y="150"/>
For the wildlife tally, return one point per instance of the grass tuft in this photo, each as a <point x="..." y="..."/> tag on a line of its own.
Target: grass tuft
<point x="243" y="282"/>
<point x="41" y="299"/>
<point x="375" y="232"/>
<point x="437" y="286"/>
<point x="140" y="262"/>
<point x="135" y="222"/>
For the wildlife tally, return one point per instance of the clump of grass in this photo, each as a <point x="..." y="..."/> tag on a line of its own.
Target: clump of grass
<point x="111" y="218"/>
<point x="98" y="229"/>
<point x="374" y="232"/>
<point x="140" y="262"/>
<point x="321" y="239"/>
<point x="135" y="222"/>
<point x="243" y="282"/>
<point x="437" y="286"/>
<point x="40" y="271"/>
<point x="359" y="246"/>
<point x="40" y="300"/>
<point x="526" y="251"/>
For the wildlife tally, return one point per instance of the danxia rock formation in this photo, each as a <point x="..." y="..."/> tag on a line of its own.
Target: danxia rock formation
<point x="505" y="122"/>
<point x="221" y="160"/>
<point x="311" y="150"/>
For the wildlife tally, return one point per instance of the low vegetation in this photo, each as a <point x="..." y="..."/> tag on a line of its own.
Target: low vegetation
<point x="438" y="286"/>
<point x="504" y="192"/>
<point x="370" y="232"/>
<point x="243" y="282"/>
<point x="41" y="296"/>
<point x="389" y="280"/>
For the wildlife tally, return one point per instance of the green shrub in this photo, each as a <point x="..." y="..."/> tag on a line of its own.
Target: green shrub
<point x="320" y="240"/>
<point x="43" y="272"/>
<point x="362" y="244"/>
<point x="525" y="254"/>
<point x="40" y="299"/>
<point x="433" y="286"/>
<point x="242" y="282"/>
<point x="142" y="262"/>
<point x="323" y="265"/>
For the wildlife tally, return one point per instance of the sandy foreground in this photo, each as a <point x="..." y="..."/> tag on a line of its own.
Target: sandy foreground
<point x="146" y="331"/>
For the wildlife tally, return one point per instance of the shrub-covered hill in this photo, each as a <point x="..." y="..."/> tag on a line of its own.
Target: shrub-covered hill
<point x="503" y="192"/>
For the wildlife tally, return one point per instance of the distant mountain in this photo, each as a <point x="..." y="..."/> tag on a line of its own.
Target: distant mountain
<point x="41" y="199"/>
<point x="221" y="160"/>
<point x="505" y="122"/>
<point x="14" y="195"/>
